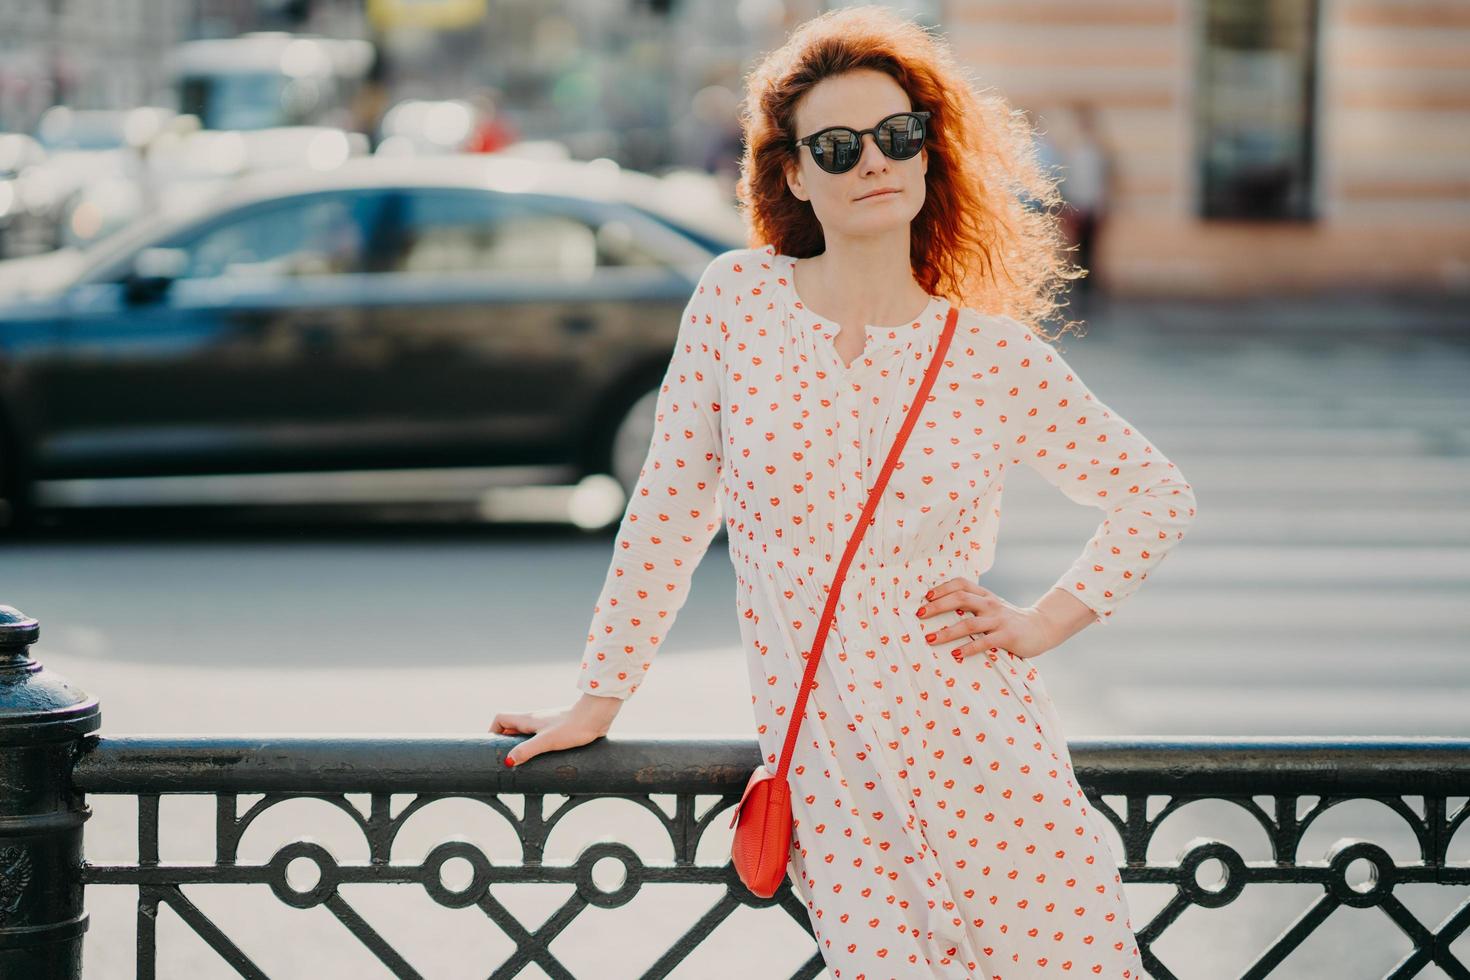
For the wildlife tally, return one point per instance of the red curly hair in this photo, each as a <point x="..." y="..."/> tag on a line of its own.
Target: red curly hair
<point x="987" y="236"/>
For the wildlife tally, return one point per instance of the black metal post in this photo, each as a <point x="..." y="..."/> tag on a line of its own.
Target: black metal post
<point x="42" y="722"/>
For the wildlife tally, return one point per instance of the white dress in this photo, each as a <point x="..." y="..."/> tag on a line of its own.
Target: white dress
<point x="939" y="831"/>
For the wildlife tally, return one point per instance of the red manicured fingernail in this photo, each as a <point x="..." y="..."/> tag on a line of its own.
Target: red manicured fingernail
<point x="921" y="611"/>
<point x="930" y="636"/>
<point x="929" y="594"/>
<point x="509" y="761"/>
<point x="957" y="657"/>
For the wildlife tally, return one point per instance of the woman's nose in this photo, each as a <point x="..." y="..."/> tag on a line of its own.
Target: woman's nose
<point x="879" y="157"/>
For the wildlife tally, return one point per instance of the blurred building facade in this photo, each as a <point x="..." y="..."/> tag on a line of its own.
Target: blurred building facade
<point x="1221" y="146"/>
<point x="83" y="53"/>
<point x="112" y="54"/>
<point x="1255" y="145"/>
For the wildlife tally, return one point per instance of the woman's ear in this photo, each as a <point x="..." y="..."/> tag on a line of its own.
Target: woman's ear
<point x="794" y="182"/>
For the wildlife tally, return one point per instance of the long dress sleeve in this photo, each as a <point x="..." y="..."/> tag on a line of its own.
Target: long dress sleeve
<point x="673" y="512"/>
<point x="1095" y="457"/>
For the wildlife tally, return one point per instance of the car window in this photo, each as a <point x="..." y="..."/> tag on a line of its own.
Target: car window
<point x="709" y="241"/>
<point x="320" y="235"/>
<point x="448" y="232"/>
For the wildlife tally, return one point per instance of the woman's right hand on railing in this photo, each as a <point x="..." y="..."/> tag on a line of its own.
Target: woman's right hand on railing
<point x="551" y="729"/>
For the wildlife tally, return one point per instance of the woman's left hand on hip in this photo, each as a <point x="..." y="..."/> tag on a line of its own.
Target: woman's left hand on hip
<point x="988" y="622"/>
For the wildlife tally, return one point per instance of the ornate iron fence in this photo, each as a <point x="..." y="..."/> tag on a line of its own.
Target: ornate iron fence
<point x="50" y="761"/>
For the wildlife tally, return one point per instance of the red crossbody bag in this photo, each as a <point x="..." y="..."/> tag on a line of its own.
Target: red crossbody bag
<point x="762" y="819"/>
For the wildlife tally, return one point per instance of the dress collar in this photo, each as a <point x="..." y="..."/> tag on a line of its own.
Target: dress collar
<point x="823" y="332"/>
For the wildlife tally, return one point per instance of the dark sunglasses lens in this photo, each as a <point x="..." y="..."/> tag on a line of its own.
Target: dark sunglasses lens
<point x="837" y="150"/>
<point x="902" y="136"/>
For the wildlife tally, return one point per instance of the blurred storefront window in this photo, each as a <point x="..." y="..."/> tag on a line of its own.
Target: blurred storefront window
<point x="1258" y="71"/>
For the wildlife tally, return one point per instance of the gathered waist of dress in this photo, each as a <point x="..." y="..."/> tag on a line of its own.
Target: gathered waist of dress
<point x="865" y="565"/>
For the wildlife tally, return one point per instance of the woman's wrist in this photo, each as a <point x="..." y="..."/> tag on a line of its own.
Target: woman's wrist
<point x="1062" y="616"/>
<point x="600" y="708"/>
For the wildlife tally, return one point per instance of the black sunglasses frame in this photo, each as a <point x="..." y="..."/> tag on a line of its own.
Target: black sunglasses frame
<point x="923" y="116"/>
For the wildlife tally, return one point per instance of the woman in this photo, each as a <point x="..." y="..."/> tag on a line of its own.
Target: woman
<point x="939" y="830"/>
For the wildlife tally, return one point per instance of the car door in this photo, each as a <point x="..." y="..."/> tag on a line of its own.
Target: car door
<point x="490" y="307"/>
<point x="236" y="361"/>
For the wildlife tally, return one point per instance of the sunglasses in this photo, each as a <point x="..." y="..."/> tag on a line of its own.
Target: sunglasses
<point x="836" y="149"/>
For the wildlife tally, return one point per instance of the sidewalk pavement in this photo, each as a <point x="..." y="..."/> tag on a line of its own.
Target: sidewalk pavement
<point x="1440" y="314"/>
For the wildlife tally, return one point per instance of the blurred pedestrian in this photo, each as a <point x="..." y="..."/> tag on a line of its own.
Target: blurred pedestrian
<point x="1087" y="176"/>
<point x="715" y="118"/>
<point x="492" y="130"/>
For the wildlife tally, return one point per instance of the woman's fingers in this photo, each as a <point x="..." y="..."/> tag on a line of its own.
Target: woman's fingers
<point x="534" y="745"/>
<point x="549" y="739"/>
<point x="982" y="643"/>
<point x="514" y="724"/>
<point x="955" y="585"/>
<point x="550" y="729"/>
<point x="961" y="602"/>
<point x="964" y="629"/>
<point x="522" y="751"/>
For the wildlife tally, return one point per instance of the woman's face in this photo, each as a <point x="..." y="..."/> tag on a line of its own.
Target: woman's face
<point x="857" y="99"/>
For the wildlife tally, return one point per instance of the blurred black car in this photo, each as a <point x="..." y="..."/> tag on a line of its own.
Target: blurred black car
<point x="498" y="320"/>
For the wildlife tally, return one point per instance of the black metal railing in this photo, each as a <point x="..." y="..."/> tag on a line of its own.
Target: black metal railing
<point x="51" y="761"/>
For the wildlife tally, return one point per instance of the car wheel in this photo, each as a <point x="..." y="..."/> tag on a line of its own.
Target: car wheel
<point x="631" y="440"/>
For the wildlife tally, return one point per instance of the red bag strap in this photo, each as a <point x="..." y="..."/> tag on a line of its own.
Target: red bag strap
<point x="862" y="525"/>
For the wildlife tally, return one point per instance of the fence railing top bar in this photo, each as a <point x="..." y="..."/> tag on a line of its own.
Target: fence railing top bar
<point x="1222" y="766"/>
<point x="1204" y="765"/>
<point x="406" y="764"/>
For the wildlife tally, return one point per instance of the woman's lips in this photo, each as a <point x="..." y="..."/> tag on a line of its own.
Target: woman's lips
<point x="871" y="197"/>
